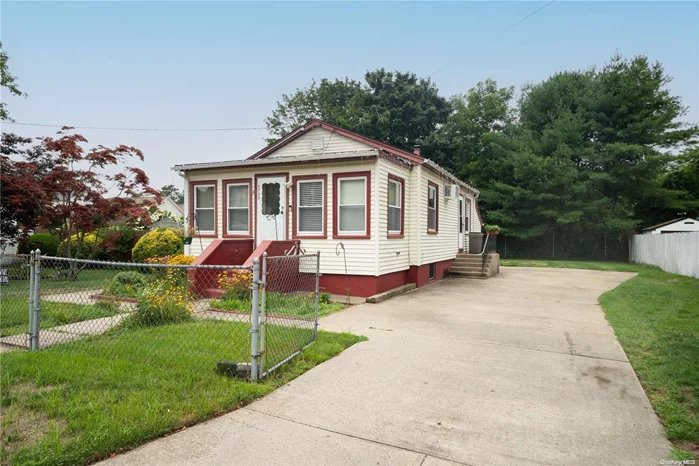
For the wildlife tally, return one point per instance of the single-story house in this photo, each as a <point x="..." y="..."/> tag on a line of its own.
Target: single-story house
<point x="380" y="216"/>
<point x="678" y="225"/>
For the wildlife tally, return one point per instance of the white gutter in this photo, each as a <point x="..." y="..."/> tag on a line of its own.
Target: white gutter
<point x="453" y="178"/>
<point x="277" y="160"/>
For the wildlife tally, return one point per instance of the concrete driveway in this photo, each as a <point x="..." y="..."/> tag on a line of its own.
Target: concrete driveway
<point x="518" y="369"/>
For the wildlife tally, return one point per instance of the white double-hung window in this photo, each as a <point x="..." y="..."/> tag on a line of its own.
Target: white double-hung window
<point x="352" y="205"/>
<point x="204" y="208"/>
<point x="238" y="205"/>
<point x="310" y="207"/>
<point x="395" y="207"/>
<point x="432" y="208"/>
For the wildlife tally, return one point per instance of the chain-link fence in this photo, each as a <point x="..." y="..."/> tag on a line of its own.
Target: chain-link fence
<point x="289" y="308"/>
<point x="172" y="315"/>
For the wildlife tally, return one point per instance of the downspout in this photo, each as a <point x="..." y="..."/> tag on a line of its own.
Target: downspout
<point x="183" y="174"/>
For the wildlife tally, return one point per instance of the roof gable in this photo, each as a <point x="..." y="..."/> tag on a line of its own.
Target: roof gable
<point x="668" y="223"/>
<point x="334" y="131"/>
<point x="319" y="141"/>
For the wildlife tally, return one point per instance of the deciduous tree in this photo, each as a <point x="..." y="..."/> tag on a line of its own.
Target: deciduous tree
<point x="7" y="81"/>
<point x="393" y="107"/>
<point x="78" y="191"/>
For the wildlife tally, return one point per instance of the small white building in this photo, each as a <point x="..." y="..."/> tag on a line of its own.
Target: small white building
<point x="678" y="225"/>
<point x="380" y="216"/>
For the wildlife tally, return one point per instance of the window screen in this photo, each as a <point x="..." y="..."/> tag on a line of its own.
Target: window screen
<point x="310" y="206"/>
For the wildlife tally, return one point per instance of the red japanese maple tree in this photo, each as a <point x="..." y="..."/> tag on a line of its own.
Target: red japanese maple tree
<point x="60" y="186"/>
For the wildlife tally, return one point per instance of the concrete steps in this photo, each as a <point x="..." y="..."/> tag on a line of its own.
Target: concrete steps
<point x="470" y="266"/>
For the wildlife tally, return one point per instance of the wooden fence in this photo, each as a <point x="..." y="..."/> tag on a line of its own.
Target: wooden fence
<point x="672" y="252"/>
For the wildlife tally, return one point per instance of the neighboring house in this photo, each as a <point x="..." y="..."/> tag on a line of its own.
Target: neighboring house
<point x="166" y="206"/>
<point x="399" y="217"/>
<point x="678" y="225"/>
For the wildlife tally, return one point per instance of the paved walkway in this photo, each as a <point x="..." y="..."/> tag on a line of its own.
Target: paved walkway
<point x="518" y="369"/>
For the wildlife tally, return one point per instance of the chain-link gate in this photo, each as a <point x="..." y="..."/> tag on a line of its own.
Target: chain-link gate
<point x="242" y="321"/>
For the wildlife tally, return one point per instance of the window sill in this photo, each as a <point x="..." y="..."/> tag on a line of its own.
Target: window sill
<point x="300" y="237"/>
<point x="238" y="235"/>
<point x="436" y="232"/>
<point x="206" y="235"/>
<point x="395" y="236"/>
<point x="351" y="236"/>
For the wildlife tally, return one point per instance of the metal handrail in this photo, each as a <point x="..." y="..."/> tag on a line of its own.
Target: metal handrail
<point x="484" y="258"/>
<point x="485" y="243"/>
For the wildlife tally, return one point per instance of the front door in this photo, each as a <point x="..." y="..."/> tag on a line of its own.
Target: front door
<point x="461" y="222"/>
<point x="271" y="208"/>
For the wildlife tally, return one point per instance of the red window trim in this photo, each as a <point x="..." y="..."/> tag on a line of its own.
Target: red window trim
<point x="336" y="178"/>
<point x="285" y="201"/>
<point x="192" y="185"/>
<point x="402" y="206"/>
<point x="225" y="184"/>
<point x="294" y="203"/>
<point x="436" y="208"/>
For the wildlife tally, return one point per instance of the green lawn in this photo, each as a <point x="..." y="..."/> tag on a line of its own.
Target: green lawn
<point x="14" y="311"/>
<point x="14" y="316"/>
<point x="655" y="316"/>
<point x="76" y="403"/>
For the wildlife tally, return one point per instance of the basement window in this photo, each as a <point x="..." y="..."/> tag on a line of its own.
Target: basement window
<point x="433" y="271"/>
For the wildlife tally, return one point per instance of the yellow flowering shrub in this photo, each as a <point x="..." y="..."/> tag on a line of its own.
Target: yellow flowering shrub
<point x="157" y="243"/>
<point x="235" y="283"/>
<point x="163" y="301"/>
<point x="180" y="259"/>
<point x="87" y="246"/>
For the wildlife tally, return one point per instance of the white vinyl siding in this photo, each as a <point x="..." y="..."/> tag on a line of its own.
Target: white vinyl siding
<point x="238" y="214"/>
<point x="395" y="207"/>
<point x="393" y="252"/>
<point x="332" y="143"/>
<point x="310" y="209"/>
<point x="204" y="208"/>
<point x="444" y="244"/>
<point x="351" y="200"/>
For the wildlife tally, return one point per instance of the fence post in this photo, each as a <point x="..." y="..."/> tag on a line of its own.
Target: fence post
<point x="263" y="319"/>
<point x="32" y="266"/>
<point x="255" y="319"/>
<point x="317" y="295"/>
<point x="37" y="300"/>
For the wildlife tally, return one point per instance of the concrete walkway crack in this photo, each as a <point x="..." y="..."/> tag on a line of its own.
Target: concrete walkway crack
<point x="347" y="434"/>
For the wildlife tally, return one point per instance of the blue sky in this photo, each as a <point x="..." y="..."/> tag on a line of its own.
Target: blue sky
<point x="213" y="65"/>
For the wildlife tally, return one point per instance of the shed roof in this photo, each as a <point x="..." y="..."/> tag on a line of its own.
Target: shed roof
<point x="669" y="222"/>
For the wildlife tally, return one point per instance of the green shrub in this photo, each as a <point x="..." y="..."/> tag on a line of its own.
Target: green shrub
<point x="46" y="242"/>
<point x="87" y="249"/>
<point x="162" y="302"/>
<point x="125" y="285"/>
<point x="129" y="278"/>
<point x="324" y="298"/>
<point x="157" y="243"/>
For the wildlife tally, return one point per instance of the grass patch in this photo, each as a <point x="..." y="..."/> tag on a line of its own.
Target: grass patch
<point x="95" y="397"/>
<point x="655" y="316"/>
<point x="14" y="314"/>
<point x="279" y="304"/>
